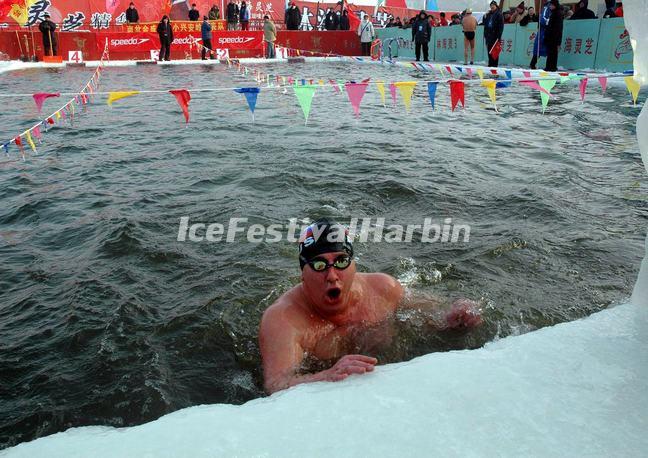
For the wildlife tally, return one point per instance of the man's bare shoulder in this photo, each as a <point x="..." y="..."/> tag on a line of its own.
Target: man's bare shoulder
<point x="385" y="285"/>
<point x="287" y="310"/>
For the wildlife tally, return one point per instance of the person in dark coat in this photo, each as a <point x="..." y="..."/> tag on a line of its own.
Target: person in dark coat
<point x="293" y="17"/>
<point x="206" y="33"/>
<point x="232" y="14"/>
<point x="244" y="16"/>
<point x="194" y="15"/>
<point x="553" y="36"/>
<point x="610" y="7"/>
<point x="331" y="20"/>
<point x="132" y="16"/>
<point x="344" y="21"/>
<point x="47" y="28"/>
<point x="165" y="32"/>
<point x="493" y="28"/>
<point x="421" y="33"/>
<point x="583" y="12"/>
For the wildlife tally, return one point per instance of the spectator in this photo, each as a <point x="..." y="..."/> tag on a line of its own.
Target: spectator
<point x="533" y="17"/>
<point x="553" y="36"/>
<point x="244" y="16"/>
<point x="610" y="7"/>
<point x="206" y="33"/>
<point x="165" y="32"/>
<point x="582" y="12"/>
<point x="456" y="20"/>
<point x="539" y="47"/>
<point x="214" y="13"/>
<point x="366" y="34"/>
<point x="507" y="17"/>
<point x="519" y="14"/>
<point x="421" y="33"/>
<point x="194" y="15"/>
<point x="567" y="12"/>
<point x="398" y="23"/>
<point x="132" y="17"/>
<point x="47" y="28"/>
<point x="619" y="10"/>
<point x="443" y="21"/>
<point x="293" y="17"/>
<point x="410" y="23"/>
<point x="269" y="35"/>
<point x="344" y="20"/>
<point x="469" y="24"/>
<point x="390" y="23"/>
<point x="331" y="20"/>
<point x="493" y="29"/>
<point x="232" y="14"/>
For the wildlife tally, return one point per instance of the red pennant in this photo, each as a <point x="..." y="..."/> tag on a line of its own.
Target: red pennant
<point x="457" y="93"/>
<point x="50" y="121"/>
<point x="18" y="141"/>
<point x="183" y="97"/>
<point x="494" y="71"/>
<point x="448" y="69"/>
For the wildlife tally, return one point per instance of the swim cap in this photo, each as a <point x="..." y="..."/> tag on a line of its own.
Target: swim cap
<point x="323" y="236"/>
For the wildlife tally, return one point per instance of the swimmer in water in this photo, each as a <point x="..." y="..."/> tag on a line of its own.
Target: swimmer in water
<point x="332" y="298"/>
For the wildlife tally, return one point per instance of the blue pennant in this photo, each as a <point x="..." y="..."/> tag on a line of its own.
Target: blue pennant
<point x="432" y="87"/>
<point x="250" y="94"/>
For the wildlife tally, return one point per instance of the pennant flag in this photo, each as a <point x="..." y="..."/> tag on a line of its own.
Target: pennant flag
<point x="470" y="72"/>
<point x="535" y="85"/>
<point x="490" y="86"/>
<point x="447" y="67"/>
<point x="356" y="92"/>
<point x="381" y="88"/>
<point x="305" y="98"/>
<point x="457" y="94"/>
<point x="406" y="89"/>
<point x="19" y="144"/>
<point x="480" y="73"/>
<point x="60" y="114"/>
<point x="547" y="85"/>
<point x="6" y="148"/>
<point x="37" y="132"/>
<point x="496" y="50"/>
<point x="507" y="81"/>
<point x="494" y="71"/>
<point x="432" y="87"/>
<point x="40" y="97"/>
<point x="564" y="79"/>
<point x="544" y="74"/>
<point x="460" y="69"/>
<point x="392" y="90"/>
<point x="50" y="121"/>
<point x="582" y="86"/>
<point x="633" y="87"/>
<point x="336" y="88"/>
<point x="183" y="97"/>
<point x="30" y="141"/>
<point x="440" y="68"/>
<point x="114" y="96"/>
<point x="603" y="82"/>
<point x="526" y="74"/>
<point x="251" y="94"/>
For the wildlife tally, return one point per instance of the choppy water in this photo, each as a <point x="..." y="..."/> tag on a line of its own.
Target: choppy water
<point x="105" y="318"/>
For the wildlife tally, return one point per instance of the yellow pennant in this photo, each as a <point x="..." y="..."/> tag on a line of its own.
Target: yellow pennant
<point x="30" y="141"/>
<point x="440" y="68"/>
<point x="406" y="89"/>
<point x="114" y="96"/>
<point x="57" y="115"/>
<point x="381" y="88"/>
<point x="321" y="82"/>
<point x="283" y="78"/>
<point x="480" y="72"/>
<point x="633" y="87"/>
<point x="490" y="87"/>
<point x="543" y="74"/>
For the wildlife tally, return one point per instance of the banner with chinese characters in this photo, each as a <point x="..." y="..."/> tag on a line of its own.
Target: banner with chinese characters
<point x="580" y="39"/>
<point x="614" y="51"/>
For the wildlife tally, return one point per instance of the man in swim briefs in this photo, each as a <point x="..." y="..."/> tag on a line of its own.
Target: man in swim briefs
<point x="469" y="24"/>
<point x="316" y="317"/>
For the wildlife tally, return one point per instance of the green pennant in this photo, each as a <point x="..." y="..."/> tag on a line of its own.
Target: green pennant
<point x="305" y="95"/>
<point x="547" y="85"/>
<point x="564" y="79"/>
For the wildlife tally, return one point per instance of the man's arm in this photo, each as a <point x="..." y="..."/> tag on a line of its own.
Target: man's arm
<point x="463" y="313"/>
<point x="282" y="355"/>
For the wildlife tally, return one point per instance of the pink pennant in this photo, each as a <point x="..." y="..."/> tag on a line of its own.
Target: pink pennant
<point x="582" y="86"/>
<point x="448" y="69"/>
<point x="37" y="133"/>
<point x="392" y="90"/>
<point x="457" y="93"/>
<point x="470" y="72"/>
<point x="290" y="80"/>
<point x="356" y="92"/>
<point x="366" y="80"/>
<point x="40" y="97"/>
<point x="183" y="97"/>
<point x="336" y="87"/>
<point x="526" y="74"/>
<point x="603" y="81"/>
<point x="535" y="85"/>
<point x="62" y="114"/>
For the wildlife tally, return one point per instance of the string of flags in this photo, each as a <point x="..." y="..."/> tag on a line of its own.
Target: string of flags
<point x="305" y="90"/>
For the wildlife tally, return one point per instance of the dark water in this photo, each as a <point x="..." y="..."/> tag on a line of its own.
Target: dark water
<point x="105" y="318"/>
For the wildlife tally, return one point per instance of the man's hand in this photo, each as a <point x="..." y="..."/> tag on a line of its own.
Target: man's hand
<point x="464" y="314"/>
<point x="349" y="364"/>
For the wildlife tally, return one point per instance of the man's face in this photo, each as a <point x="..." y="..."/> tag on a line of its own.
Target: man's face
<point x="493" y="7"/>
<point x="329" y="290"/>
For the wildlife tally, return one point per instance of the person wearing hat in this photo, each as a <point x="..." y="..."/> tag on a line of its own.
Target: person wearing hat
<point x="493" y="28"/>
<point x="520" y="14"/>
<point x="206" y="35"/>
<point x="293" y="17"/>
<point x="47" y="28"/>
<point x="469" y="25"/>
<point x="553" y="36"/>
<point x="335" y="313"/>
<point x="421" y="34"/>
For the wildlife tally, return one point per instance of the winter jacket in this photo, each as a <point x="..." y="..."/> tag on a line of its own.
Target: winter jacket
<point x="165" y="31"/>
<point x="583" y="13"/>
<point x="493" y="26"/>
<point x="554" y="30"/>
<point x="46" y="26"/>
<point x="214" y="14"/>
<point x="206" y="31"/>
<point x="244" y="14"/>
<point x="421" y="30"/>
<point x="366" y="32"/>
<point x="194" y="15"/>
<point x="132" y="16"/>
<point x="331" y="21"/>
<point x="344" y="22"/>
<point x="293" y="18"/>
<point x="269" y="31"/>
<point x="232" y="12"/>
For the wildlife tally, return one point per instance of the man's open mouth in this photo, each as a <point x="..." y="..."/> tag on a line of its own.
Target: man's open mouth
<point x="333" y="293"/>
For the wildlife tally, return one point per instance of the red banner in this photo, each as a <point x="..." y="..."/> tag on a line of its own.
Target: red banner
<point x="237" y="40"/>
<point x="138" y="42"/>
